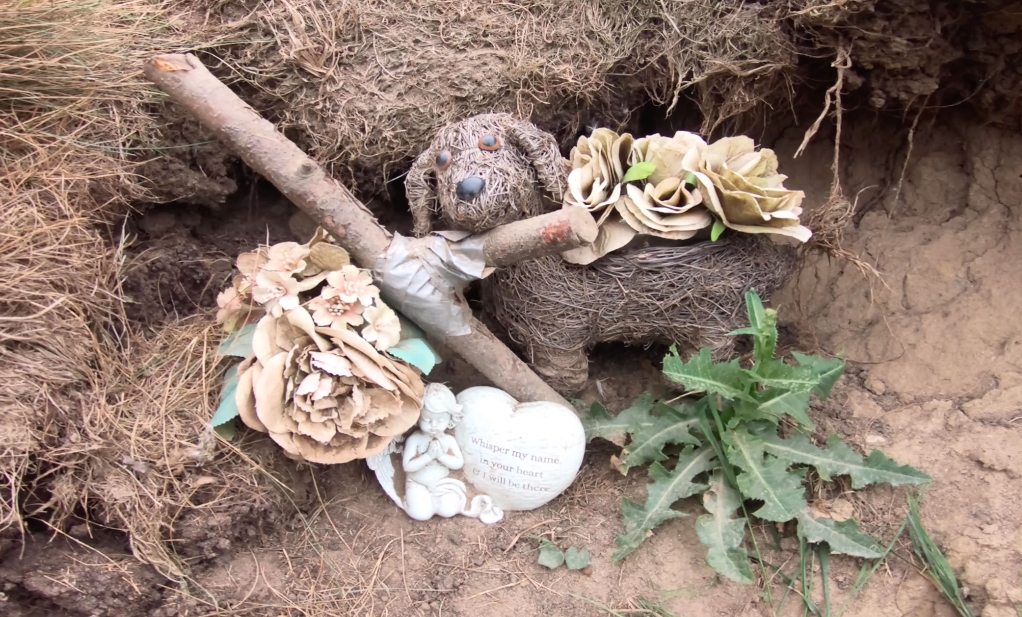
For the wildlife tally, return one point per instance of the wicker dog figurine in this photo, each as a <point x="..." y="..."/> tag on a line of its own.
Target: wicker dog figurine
<point x="689" y="295"/>
<point x="485" y="171"/>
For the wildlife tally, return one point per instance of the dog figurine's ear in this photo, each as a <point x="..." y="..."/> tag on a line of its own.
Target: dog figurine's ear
<point x="421" y="193"/>
<point x="541" y="149"/>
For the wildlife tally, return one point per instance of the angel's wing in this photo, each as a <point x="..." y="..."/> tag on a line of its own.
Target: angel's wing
<point x="383" y="464"/>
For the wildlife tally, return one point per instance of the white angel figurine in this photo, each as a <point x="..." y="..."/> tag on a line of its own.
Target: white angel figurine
<point x="429" y="456"/>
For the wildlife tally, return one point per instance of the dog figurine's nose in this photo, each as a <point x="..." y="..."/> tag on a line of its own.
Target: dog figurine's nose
<point x="470" y="188"/>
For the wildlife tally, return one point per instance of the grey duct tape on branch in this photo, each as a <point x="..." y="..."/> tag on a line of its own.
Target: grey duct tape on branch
<point x="424" y="278"/>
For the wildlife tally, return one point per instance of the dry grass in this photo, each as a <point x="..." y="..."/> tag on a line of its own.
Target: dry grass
<point x="87" y="401"/>
<point x="365" y="85"/>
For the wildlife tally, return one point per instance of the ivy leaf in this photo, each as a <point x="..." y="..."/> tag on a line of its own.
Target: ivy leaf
<point x="844" y="537"/>
<point x="774" y="403"/>
<point x="228" y="408"/>
<point x="576" y="559"/>
<point x="238" y="343"/>
<point x="717" y="229"/>
<point x="667" y="487"/>
<point x="417" y="352"/>
<point x="550" y="556"/>
<point x="599" y="423"/>
<point x="827" y="371"/>
<point x="765" y="478"/>
<point x="639" y="171"/>
<point x="670" y="426"/>
<point x="700" y="374"/>
<point x="722" y="534"/>
<point x="840" y="460"/>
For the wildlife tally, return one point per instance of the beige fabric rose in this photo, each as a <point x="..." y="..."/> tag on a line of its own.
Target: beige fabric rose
<point x="674" y="157"/>
<point x="325" y="395"/>
<point x="668" y="210"/>
<point x="320" y="388"/>
<point x="750" y="196"/>
<point x="598" y="163"/>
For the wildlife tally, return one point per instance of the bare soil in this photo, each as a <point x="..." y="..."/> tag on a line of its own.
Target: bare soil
<point x="935" y="380"/>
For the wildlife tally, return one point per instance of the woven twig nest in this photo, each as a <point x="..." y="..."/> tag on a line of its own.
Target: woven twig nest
<point x="689" y="295"/>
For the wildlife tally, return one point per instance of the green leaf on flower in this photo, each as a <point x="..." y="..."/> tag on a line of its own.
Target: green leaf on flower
<point x="845" y="537"/>
<point x="669" y="426"/>
<point x="765" y="478"/>
<point x="838" y="459"/>
<point x="827" y="371"/>
<point x="550" y="556"/>
<point x="717" y="229"/>
<point x="639" y="171"/>
<point x="576" y="558"/>
<point x="721" y="534"/>
<point x="238" y="343"/>
<point x="417" y="352"/>
<point x="667" y="487"/>
<point x="227" y="430"/>
<point x="700" y="374"/>
<point x="228" y="408"/>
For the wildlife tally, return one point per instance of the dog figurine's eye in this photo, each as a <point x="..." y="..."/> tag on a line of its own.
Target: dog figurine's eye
<point x="489" y="143"/>
<point x="443" y="160"/>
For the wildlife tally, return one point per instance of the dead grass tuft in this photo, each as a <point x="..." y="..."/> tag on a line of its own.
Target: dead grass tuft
<point x="95" y="417"/>
<point x="365" y="86"/>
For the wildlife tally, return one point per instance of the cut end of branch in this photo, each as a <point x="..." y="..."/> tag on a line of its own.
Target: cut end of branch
<point x="171" y="62"/>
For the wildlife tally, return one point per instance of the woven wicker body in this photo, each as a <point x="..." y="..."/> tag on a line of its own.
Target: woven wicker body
<point x="691" y="296"/>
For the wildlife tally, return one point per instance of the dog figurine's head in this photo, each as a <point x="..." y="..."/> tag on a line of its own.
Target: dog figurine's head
<point x="485" y="171"/>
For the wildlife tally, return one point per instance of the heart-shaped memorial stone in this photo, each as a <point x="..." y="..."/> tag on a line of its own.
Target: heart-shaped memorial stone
<point x="520" y="454"/>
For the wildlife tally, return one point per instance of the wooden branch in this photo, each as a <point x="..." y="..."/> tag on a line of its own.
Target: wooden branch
<point x="546" y="234"/>
<point x="308" y="186"/>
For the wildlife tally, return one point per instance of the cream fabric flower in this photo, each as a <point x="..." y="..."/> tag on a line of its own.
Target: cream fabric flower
<point x="287" y="257"/>
<point x="746" y="192"/>
<point x="383" y="327"/>
<point x="335" y="312"/>
<point x="667" y="210"/>
<point x="350" y="285"/>
<point x="599" y="163"/>
<point x="276" y="292"/>
<point x="324" y="394"/>
<point x="674" y="157"/>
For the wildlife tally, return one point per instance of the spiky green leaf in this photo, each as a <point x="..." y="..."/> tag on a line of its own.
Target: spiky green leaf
<point x="576" y="558"/>
<point x="827" y="371"/>
<point x="763" y="323"/>
<point x="765" y="478"/>
<point x="844" y="537"/>
<point x="667" y="487"/>
<point x="777" y="374"/>
<point x="839" y="459"/>
<point x="599" y="423"/>
<point x="639" y="171"/>
<point x="774" y="403"/>
<point x="670" y="426"/>
<point x="700" y="374"/>
<point x="721" y="534"/>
